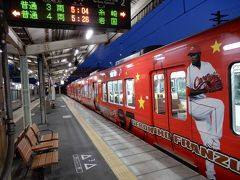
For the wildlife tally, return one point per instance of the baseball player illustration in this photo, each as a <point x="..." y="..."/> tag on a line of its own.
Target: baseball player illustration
<point x="207" y="112"/>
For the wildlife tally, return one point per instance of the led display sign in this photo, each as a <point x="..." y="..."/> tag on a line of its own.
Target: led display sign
<point x="69" y="14"/>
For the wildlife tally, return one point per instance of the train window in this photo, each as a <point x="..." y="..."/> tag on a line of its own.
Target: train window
<point x="130" y="99"/>
<point x="178" y="95"/>
<point x="86" y="90"/>
<point x="159" y="94"/>
<point x="104" y="90"/>
<point x="115" y="92"/>
<point x="235" y="87"/>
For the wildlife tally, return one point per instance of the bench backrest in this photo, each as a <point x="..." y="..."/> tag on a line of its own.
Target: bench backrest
<point x="21" y="135"/>
<point x="35" y="129"/>
<point x="31" y="137"/>
<point x="24" y="149"/>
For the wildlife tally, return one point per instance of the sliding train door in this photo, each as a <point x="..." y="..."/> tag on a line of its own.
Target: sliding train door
<point x="96" y="100"/>
<point x="180" y="122"/>
<point x="170" y="114"/>
<point x="160" y="109"/>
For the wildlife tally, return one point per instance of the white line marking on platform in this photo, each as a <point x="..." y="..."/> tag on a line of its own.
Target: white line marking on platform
<point x="77" y="163"/>
<point x="85" y="156"/>
<point x="67" y="116"/>
<point x="89" y="166"/>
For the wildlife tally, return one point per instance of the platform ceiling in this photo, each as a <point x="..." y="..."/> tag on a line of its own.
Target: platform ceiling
<point x="154" y="22"/>
<point x="58" y="46"/>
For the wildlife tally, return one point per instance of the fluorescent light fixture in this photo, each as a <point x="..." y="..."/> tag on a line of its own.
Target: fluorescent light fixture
<point x="29" y="60"/>
<point x="231" y="46"/>
<point x="89" y="34"/>
<point x="69" y="64"/>
<point x="0" y="50"/>
<point x="76" y="52"/>
<point x="10" y="62"/>
<point x="64" y="60"/>
<point x="10" y="57"/>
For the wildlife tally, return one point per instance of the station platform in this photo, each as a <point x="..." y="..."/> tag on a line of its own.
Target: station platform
<point x="91" y="147"/>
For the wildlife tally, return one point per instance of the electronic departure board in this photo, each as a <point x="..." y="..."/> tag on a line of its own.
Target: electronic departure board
<point x="69" y="14"/>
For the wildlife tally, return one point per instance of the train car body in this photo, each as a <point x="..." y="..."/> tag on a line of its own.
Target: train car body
<point x="187" y="107"/>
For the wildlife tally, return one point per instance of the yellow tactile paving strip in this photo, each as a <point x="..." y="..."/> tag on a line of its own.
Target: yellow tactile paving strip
<point x="117" y="166"/>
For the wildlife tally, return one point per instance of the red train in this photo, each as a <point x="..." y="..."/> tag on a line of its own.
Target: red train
<point x="184" y="98"/>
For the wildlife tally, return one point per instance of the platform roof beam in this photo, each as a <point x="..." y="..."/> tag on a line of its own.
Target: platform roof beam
<point x="64" y="44"/>
<point x="14" y="40"/>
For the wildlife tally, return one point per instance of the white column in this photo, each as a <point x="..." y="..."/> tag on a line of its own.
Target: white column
<point x="25" y="91"/>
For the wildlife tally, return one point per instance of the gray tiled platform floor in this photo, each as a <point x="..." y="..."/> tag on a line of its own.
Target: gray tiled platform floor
<point x="78" y="157"/>
<point x="145" y="161"/>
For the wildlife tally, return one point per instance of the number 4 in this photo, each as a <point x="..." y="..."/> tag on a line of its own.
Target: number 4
<point x="49" y="16"/>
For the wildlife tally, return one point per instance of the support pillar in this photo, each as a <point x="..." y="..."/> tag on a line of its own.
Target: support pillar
<point x="8" y="118"/>
<point x="3" y="136"/>
<point x="25" y="91"/>
<point x="42" y="90"/>
<point x="59" y="90"/>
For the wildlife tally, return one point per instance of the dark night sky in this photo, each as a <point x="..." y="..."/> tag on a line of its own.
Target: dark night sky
<point x="165" y="24"/>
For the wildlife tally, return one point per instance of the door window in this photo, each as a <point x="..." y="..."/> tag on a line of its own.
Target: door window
<point x="178" y="95"/>
<point x="104" y="90"/>
<point x="86" y="90"/>
<point x="110" y="92"/>
<point x="120" y="88"/>
<point x="130" y="96"/>
<point x="159" y="94"/>
<point x="115" y="91"/>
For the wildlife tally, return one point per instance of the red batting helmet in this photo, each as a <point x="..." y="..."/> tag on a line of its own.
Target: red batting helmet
<point x="194" y="49"/>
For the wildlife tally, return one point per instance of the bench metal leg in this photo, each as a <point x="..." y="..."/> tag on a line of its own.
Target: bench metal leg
<point x="26" y="172"/>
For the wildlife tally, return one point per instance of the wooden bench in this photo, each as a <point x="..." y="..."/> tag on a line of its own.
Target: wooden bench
<point x="36" y="146"/>
<point x="38" y="161"/>
<point x="44" y="137"/>
<point x="21" y="134"/>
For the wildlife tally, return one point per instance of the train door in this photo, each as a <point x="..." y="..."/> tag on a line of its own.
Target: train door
<point x="95" y="89"/>
<point x="160" y="109"/>
<point x="180" y="123"/>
